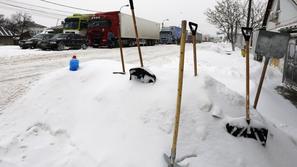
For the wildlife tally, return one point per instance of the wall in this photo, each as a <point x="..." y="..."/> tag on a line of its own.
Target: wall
<point x="6" y="41"/>
<point x="287" y="15"/>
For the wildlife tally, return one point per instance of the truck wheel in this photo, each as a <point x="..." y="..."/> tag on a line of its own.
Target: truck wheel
<point x="84" y="46"/>
<point x="61" y="46"/>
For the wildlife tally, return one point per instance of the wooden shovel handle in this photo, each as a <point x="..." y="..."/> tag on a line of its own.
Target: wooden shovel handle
<point x="247" y="56"/>
<point x="261" y="82"/>
<point x="193" y="28"/>
<point x="136" y="32"/>
<point x="179" y="90"/>
<point x="195" y="55"/>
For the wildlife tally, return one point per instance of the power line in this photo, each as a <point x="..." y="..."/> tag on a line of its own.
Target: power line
<point x="31" y="12"/>
<point x="68" y="6"/>
<point x="42" y="7"/>
<point x="36" y="10"/>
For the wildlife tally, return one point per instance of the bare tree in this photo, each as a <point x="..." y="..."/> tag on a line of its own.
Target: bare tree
<point x="6" y="23"/>
<point x="227" y="16"/>
<point x="2" y="20"/>
<point x="257" y="14"/>
<point x="230" y="15"/>
<point x="19" y="22"/>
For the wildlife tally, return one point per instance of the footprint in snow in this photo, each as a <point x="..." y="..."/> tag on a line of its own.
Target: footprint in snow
<point x="217" y="112"/>
<point x="202" y="132"/>
<point x="206" y="107"/>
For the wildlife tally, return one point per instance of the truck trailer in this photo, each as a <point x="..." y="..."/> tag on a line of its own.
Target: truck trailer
<point x="77" y="23"/>
<point x="104" y="29"/>
<point x="170" y="35"/>
<point x="198" y="37"/>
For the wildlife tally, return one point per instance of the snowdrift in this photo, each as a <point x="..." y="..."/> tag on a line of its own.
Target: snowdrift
<point x="93" y="118"/>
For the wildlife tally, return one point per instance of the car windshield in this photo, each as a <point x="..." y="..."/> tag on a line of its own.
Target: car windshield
<point x="59" y="36"/>
<point x="48" y="36"/>
<point x="99" y="23"/>
<point x="71" y="23"/>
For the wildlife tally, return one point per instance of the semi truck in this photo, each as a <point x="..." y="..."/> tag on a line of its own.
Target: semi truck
<point x="170" y="35"/>
<point x="198" y="37"/>
<point x="77" y="23"/>
<point x="105" y="28"/>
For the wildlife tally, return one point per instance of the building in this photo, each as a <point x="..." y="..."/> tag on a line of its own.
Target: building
<point x="35" y="28"/>
<point x="281" y="16"/>
<point x="54" y="30"/>
<point x="31" y="30"/>
<point x="6" y="36"/>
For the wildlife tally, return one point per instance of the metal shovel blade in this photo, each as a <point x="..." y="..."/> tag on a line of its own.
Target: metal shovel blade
<point x="259" y="134"/>
<point x="123" y="73"/>
<point x="170" y="163"/>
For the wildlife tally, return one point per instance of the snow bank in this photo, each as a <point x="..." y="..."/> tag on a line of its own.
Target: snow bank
<point x="93" y="118"/>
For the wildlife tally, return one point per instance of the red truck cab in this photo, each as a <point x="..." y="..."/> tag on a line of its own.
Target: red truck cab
<point x="103" y="29"/>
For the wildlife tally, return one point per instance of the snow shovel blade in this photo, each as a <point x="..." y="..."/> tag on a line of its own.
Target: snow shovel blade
<point x="123" y="73"/>
<point x="259" y="134"/>
<point x="172" y="164"/>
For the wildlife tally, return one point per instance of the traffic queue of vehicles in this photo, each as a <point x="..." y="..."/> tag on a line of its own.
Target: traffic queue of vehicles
<point x="103" y="29"/>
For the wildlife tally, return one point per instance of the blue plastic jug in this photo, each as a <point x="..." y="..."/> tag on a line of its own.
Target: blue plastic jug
<point x="74" y="64"/>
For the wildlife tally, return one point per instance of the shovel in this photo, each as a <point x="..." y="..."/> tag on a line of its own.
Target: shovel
<point x="142" y="72"/>
<point x="259" y="134"/>
<point x="193" y="28"/>
<point x="136" y="32"/>
<point x="171" y="160"/>
<point x="121" y="51"/>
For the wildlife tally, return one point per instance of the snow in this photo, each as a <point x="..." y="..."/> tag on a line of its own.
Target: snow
<point x="94" y="118"/>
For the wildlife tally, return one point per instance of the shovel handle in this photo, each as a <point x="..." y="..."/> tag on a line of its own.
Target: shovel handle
<point x="136" y="32"/>
<point x="246" y="32"/>
<point x="131" y="4"/>
<point x="261" y="82"/>
<point x="193" y="28"/>
<point x="179" y="90"/>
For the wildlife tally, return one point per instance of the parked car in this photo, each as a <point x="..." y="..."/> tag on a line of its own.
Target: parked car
<point x="64" y="41"/>
<point x="33" y="42"/>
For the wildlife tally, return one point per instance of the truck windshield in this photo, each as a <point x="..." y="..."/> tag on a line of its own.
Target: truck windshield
<point x="99" y="23"/>
<point x="71" y="23"/>
<point x="165" y="33"/>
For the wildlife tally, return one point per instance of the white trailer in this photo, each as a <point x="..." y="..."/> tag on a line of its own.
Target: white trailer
<point x="104" y="28"/>
<point x="148" y="30"/>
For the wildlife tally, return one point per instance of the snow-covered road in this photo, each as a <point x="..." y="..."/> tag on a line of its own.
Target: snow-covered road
<point x="20" y="68"/>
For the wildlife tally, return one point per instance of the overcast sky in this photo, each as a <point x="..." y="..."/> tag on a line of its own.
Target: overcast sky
<point x="155" y="10"/>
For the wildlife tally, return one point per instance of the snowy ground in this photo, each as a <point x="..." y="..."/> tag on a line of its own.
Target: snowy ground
<point x="53" y="117"/>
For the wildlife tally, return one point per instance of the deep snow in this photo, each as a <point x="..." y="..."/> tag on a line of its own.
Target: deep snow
<point x="93" y="118"/>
